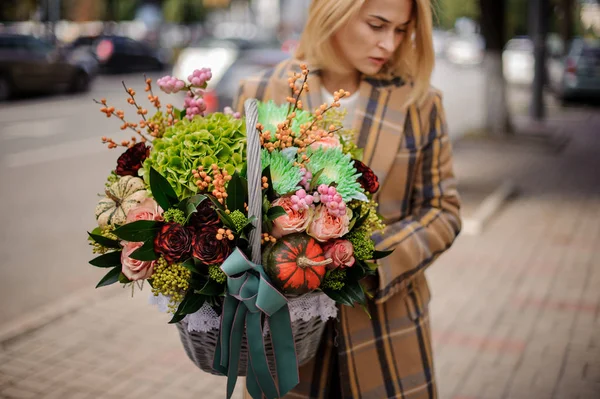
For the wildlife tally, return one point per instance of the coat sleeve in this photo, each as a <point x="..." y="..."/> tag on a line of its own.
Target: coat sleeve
<point x="434" y="222"/>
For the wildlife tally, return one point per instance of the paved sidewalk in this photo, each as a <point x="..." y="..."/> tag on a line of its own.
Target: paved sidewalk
<point x="515" y="311"/>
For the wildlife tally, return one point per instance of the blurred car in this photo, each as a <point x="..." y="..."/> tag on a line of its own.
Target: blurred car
<point x="518" y="61"/>
<point x="580" y="71"/>
<point x="29" y="64"/>
<point x="120" y="54"/>
<point x="465" y="50"/>
<point x="229" y="61"/>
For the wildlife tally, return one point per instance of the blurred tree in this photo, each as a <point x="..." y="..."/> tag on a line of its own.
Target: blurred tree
<point x="493" y="27"/>
<point x="184" y="11"/>
<point x="17" y="10"/>
<point x="448" y="11"/>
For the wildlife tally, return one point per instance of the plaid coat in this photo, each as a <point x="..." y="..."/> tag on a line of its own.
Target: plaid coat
<point x="388" y="356"/>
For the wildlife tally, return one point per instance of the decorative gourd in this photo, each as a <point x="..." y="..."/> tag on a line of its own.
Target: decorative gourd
<point x="296" y="264"/>
<point x="121" y="196"/>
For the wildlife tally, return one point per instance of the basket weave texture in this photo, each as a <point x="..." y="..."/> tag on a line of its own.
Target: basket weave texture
<point x="200" y="346"/>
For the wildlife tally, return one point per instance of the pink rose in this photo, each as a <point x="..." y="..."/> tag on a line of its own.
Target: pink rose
<point x="324" y="226"/>
<point x="327" y="142"/>
<point x="293" y="222"/>
<point x="132" y="268"/>
<point x="341" y="252"/>
<point x="148" y="209"/>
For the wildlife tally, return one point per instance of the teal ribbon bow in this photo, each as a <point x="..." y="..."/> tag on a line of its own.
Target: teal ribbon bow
<point x="249" y="295"/>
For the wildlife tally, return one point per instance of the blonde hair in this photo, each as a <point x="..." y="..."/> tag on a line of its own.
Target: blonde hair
<point x="413" y="60"/>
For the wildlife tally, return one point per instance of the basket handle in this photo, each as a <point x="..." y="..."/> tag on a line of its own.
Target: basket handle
<point x="254" y="171"/>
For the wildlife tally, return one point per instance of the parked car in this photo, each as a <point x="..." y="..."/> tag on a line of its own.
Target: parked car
<point x="29" y="64"/>
<point x="120" y="54"/>
<point x="580" y="73"/>
<point x="230" y="61"/>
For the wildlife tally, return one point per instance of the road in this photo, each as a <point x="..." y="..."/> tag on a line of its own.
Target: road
<point x="52" y="169"/>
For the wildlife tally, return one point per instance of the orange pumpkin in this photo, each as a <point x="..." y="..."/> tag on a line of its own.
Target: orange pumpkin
<point x="296" y="264"/>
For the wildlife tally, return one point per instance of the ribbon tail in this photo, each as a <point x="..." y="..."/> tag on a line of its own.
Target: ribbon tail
<point x="221" y="360"/>
<point x="235" y="346"/>
<point x="280" y="327"/>
<point x="252" y="385"/>
<point x="258" y="357"/>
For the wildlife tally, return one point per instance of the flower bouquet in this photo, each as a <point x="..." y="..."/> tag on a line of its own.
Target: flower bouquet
<point x="248" y="231"/>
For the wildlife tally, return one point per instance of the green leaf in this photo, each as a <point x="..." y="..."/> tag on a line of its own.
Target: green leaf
<point x="355" y="291"/>
<point x="110" y="259"/>
<point x="110" y="278"/>
<point x="190" y="264"/>
<point x="123" y="279"/>
<point x="275" y="212"/>
<point x="181" y="113"/>
<point x="162" y="191"/>
<point x="189" y="205"/>
<point x="381" y="254"/>
<point x="236" y="196"/>
<point x="340" y="296"/>
<point x="226" y="219"/>
<point x="216" y="203"/>
<point x="139" y="231"/>
<point x="145" y="252"/>
<point x="315" y="178"/>
<point x="191" y="303"/>
<point x="361" y="220"/>
<point x="105" y="242"/>
<point x="211" y="288"/>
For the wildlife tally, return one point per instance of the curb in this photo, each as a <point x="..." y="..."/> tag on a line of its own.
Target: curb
<point x="475" y="224"/>
<point x="51" y="312"/>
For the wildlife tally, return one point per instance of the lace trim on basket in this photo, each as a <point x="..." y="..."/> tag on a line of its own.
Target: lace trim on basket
<point x="302" y="308"/>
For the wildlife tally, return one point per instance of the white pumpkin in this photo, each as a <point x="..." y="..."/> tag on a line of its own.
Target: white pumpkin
<point x="121" y="196"/>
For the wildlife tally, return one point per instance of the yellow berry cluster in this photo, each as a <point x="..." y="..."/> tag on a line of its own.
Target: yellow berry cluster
<point x="266" y="238"/>
<point x="171" y="281"/>
<point x="224" y="233"/>
<point x="265" y="182"/>
<point x="220" y="179"/>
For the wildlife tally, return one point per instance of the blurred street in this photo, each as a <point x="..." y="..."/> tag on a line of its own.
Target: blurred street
<point x="515" y="311"/>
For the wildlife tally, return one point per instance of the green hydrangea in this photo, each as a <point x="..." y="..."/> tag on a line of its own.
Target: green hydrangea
<point x="112" y="178"/>
<point x="362" y="243"/>
<point x="174" y="215"/>
<point x="215" y="139"/>
<point x="337" y="168"/>
<point x="239" y="219"/>
<point x="373" y="222"/>
<point x="271" y="114"/>
<point x="334" y="280"/>
<point x="215" y="273"/>
<point x="284" y="175"/>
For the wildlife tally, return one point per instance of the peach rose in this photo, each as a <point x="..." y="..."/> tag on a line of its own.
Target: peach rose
<point x="148" y="209"/>
<point x="327" y="142"/>
<point x="293" y="222"/>
<point x="341" y="252"/>
<point x="324" y="226"/>
<point x="132" y="268"/>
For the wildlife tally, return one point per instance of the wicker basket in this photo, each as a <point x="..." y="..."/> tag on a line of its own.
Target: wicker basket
<point x="200" y="346"/>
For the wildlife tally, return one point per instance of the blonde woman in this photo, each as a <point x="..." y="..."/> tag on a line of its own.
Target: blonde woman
<point x="381" y="51"/>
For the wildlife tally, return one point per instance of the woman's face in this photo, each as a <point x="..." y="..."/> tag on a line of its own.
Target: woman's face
<point x="371" y="37"/>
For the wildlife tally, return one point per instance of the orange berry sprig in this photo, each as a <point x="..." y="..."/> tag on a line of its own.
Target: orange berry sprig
<point x="294" y="99"/>
<point x="203" y="180"/>
<point x="267" y="238"/>
<point x="225" y="234"/>
<point x="265" y="182"/>
<point x="110" y="111"/>
<point x="220" y="179"/>
<point x="131" y="100"/>
<point x="151" y="97"/>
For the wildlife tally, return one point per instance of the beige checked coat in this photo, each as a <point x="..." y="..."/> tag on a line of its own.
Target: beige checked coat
<point x="388" y="356"/>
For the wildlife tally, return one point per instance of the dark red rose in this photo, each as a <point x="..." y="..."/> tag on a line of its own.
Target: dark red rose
<point x="368" y="179"/>
<point x="131" y="160"/>
<point x="174" y="242"/>
<point x="208" y="249"/>
<point x="204" y="216"/>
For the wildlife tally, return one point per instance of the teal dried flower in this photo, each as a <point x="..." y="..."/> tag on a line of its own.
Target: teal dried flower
<point x="215" y="139"/>
<point x="337" y="168"/>
<point x="215" y="273"/>
<point x="174" y="215"/>
<point x="362" y="243"/>
<point x="239" y="219"/>
<point x="334" y="280"/>
<point x="270" y="115"/>
<point x="285" y="176"/>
